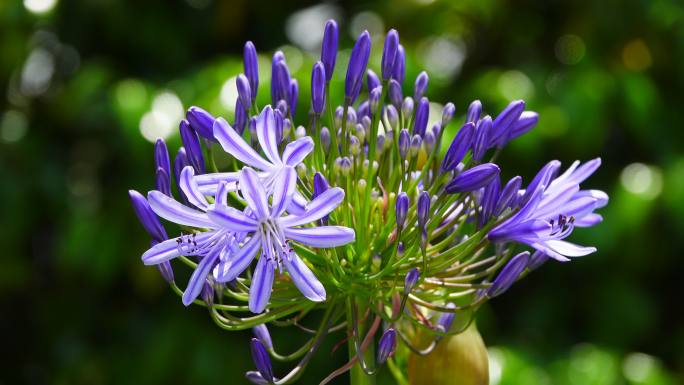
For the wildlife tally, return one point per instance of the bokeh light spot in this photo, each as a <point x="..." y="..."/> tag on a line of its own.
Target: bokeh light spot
<point x="40" y="6"/>
<point x="642" y="180"/>
<point x="293" y="57"/>
<point x="496" y="364"/>
<point x="305" y="27"/>
<point x="13" y="126"/>
<point x="130" y="94"/>
<point x="637" y="367"/>
<point x="160" y="122"/>
<point x="370" y="21"/>
<point x="636" y="56"/>
<point x="570" y="49"/>
<point x="442" y="56"/>
<point x="515" y="85"/>
<point x="37" y="72"/>
<point x="229" y="94"/>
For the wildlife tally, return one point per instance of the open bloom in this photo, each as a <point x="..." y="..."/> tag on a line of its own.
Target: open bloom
<point x="271" y="233"/>
<point x="550" y="211"/>
<point x="269" y="168"/>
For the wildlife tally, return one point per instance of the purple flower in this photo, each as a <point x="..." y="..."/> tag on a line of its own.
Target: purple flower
<point x="192" y="146"/>
<point x="481" y="142"/>
<point x="318" y="87"/>
<point x="161" y="156"/>
<point x="267" y="231"/>
<point x="490" y="197"/>
<point x="201" y="121"/>
<point x="292" y="96"/>
<point x="526" y="122"/>
<point x="508" y="195"/>
<point x="389" y="53"/>
<point x="459" y="147"/>
<point x="509" y="274"/>
<point x="421" y="85"/>
<point x="399" y="67"/>
<point x="261" y="360"/>
<point x="473" y="178"/>
<point x="501" y="127"/>
<point x="474" y="111"/>
<point x="251" y="63"/>
<point x="357" y="67"/>
<point x="329" y="48"/>
<point x="387" y="344"/>
<point x="421" y="120"/>
<point x="553" y="210"/>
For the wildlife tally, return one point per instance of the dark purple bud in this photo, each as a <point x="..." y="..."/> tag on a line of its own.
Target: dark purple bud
<point x="374" y="99"/>
<point x="386" y="346"/>
<point x="508" y="195"/>
<point x="422" y="113"/>
<point x="329" y="49"/>
<point x="404" y="143"/>
<point x="389" y="53"/>
<point x="543" y="177"/>
<point x="537" y="259"/>
<point x="400" y="249"/>
<point x="251" y="62"/>
<point x="280" y="78"/>
<point x="399" y="67"/>
<point x="489" y="199"/>
<point x="357" y="67"/>
<point x="201" y="121"/>
<point x="240" y="117"/>
<point x="262" y="334"/>
<point x="509" y="274"/>
<point x="420" y="86"/>
<point x="318" y="88"/>
<point x="207" y="293"/>
<point x="147" y="217"/>
<point x="192" y="146"/>
<point x="501" y="127"/>
<point x="429" y="141"/>
<point x="320" y="185"/>
<point x="395" y="94"/>
<point x="423" y="208"/>
<point x="526" y="122"/>
<point x="411" y="280"/>
<point x="407" y="107"/>
<point x="255" y="378"/>
<point x="364" y="109"/>
<point x="162" y="181"/>
<point x="459" y="147"/>
<point x="392" y="116"/>
<point x="401" y="209"/>
<point x="474" y="111"/>
<point x="293" y="96"/>
<point x="161" y="156"/>
<point x="481" y="142"/>
<point x="325" y="138"/>
<point x="179" y="163"/>
<point x="262" y="360"/>
<point x="416" y="142"/>
<point x="473" y="178"/>
<point x="166" y="271"/>
<point x="244" y="90"/>
<point x="448" y="113"/>
<point x="372" y="80"/>
<point x="445" y="320"/>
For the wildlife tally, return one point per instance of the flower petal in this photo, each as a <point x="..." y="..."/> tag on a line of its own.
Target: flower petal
<point x="221" y="196"/>
<point x="233" y="144"/>
<point x="198" y="277"/>
<point x="304" y="278"/>
<point x="262" y="284"/>
<point x="298" y="203"/>
<point x="266" y="133"/>
<point x="215" y="178"/>
<point x="317" y="208"/>
<point x="283" y="188"/>
<point x="240" y="260"/>
<point x="232" y="219"/>
<point x="589" y="220"/>
<point x="190" y="188"/>
<point x="170" y="209"/>
<point x="167" y="250"/>
<point x="322" y="236"/>
<point x="253" y="192"/>
<point x="296" y="151"/>
<point x="569" y="249"/>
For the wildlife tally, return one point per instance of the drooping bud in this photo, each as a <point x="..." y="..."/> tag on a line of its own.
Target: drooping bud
<point x="474" y="111"/>
<point x="448" y="113"/>
<point x="261" y="333"/>
<point x="416" y="142"/>
<point x="411" y="280"/>
<point x="318" y="88"/>
<point x="473" y="178"/>
<point x="422" y="113"/>
<point x="387" y="344"/>
<point x="201" y="121"/>
<point x="329" y="48"/>
<point x="147" y="217"/>
<point x="251" y="63"/>
<point x="481" y="142"/>
<point x="501" y="126"/>
<point x="401" y="209"/>
<point x="420" y="86"/>
<point x="446" y="319"/>
<point x="244" y="90"/>
<point x="262" y="360"/>
<point x="357" y="67"/>
<point x="392" y="116"/>
<point x="240" y="117"/>
<point x="192" y="146"/>
<point x="508" y="195"/>
<point x="459" y="147"/>
<point x="423" y="208"/>
<point x="404" y="142"/>
<point x="509" y="274"/>
<point x="389" y="53"/>
<point x="374" y="99"/>
<point x="394" y="92"/>
<point x="526" y="122"/>
<point x="407" y="107"/>
<point x="372" y="80"/>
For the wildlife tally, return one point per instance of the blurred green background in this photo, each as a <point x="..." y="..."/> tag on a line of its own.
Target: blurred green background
<point x="86" y="85"/>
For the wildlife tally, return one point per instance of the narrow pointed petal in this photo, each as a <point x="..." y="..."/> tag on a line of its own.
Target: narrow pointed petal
<point x="569" y="249"/>
<point x="284" y="187"/>
<point x="262" y="284"/>
<point x="198" y="278"/>
<point x="147" y="217"/>
<point x="253" y="192"/>
<point x="221" y="196"/>
<point x="589" y="220"/>
<point x="233" y="144"/>
<point x="168" y="250"/>
<point x="215" y="178"/>
<point x="296" y="151"/>
<point x="316" y="209"/>
<point x="584" y="171"/>
<point x="266" y="132"/>
<point x="171" y="210"/>
<point x="191" y="190"/>
<point x="232" y="219"/>
<point x="298" y="203"/>
<point x="322" y="236"/>
<point x="509" y="274"/>
<point x="304" y="278"/>
<point x="240" y="260"/>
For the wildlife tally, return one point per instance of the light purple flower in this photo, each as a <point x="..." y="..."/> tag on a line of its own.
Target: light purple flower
<point x="270" y="233"/>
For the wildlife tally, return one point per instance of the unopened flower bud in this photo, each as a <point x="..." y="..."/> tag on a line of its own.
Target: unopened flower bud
<point x="509" y="274"/>
<point x="389" y="53"/>
<point x="407" y="107"/>
<point x="201" y="121"/>
<point x="192" y="146"/>
<point x="325" y="138"/>
<point x="399" y="67"/>
<point x="372" y="80"/>
<point x="251" y="63"/>
<point x="423" y="208"/>
<point x="240" y="117"/>
<point x="416" y="143"/>
<point x="345" y="166"/>
<point x="459" y="147"/>
<point x="262" y="360"/>
<point x="392" y="116"/>
<point x="318" y="88"/>
<point x="380" y="143"/>
<point x="474" y="111"/>
<point x="421" y="120"/>
<point x="395" y="93"/>
<point x="473" y="178"/>
<point x="387" y="344"/>
<point x="401" y="209"/>
<point x="481" y="141"/>
<point x="354" y="145"/>
<point x="360" y="133"/>
<point x="429" y="141"/>
<point x="374" y="99"/>
<point x="357" y="67"/>
<point x="300" y="132"/>
<point x="261" y="332"/>
<point x="329" y="48"/>
<point x="244" y="90"/>
<point x="420" y="86"/>
<point x="404" y="143"/>
<point x="411" y="280"/>
<point x="448" y="113"/>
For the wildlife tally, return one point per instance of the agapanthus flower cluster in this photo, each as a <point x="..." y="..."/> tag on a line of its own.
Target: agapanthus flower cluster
<point x="358" y="215"/>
